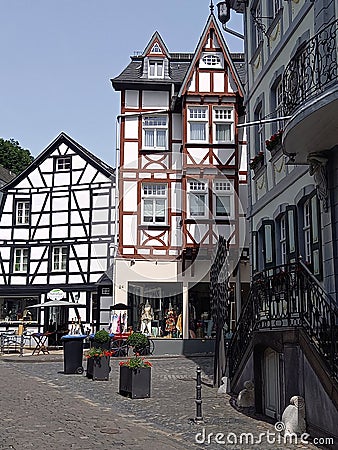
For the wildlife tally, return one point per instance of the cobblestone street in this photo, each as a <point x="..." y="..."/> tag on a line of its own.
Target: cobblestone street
<point x="44" y="409"/>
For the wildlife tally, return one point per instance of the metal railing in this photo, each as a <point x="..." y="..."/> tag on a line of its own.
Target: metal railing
<point x="312" y="70"/>
<point x="288" y="296"/>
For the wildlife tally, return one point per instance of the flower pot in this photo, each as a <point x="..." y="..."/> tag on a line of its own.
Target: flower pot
<point x="135" y="383"/>
<point x="98" y="368"/>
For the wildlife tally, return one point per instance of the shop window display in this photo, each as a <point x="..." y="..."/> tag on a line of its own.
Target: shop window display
<point x="15" y="309"/>
<point x="155" y="310"/>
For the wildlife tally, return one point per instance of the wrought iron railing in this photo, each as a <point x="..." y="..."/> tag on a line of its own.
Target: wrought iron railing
<point x="288" y="296"/>
<point x="312" y="70"/>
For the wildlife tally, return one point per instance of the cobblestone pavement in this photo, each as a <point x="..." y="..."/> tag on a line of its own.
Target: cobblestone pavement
<point x="44" y="409"/>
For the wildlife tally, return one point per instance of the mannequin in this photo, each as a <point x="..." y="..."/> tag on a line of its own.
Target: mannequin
<point x="146" y="318"/>
<point x="179" y="325"/>
<point x="170" y="321"/>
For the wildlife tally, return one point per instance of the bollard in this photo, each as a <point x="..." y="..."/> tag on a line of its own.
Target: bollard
<point x="199" y="417"/>
<point x="2" y="343"/>
<point x="22" y="342"/>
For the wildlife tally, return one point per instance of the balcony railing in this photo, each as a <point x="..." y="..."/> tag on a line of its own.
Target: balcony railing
<point x="312" y="70"/>
<point x="288" y="296"/>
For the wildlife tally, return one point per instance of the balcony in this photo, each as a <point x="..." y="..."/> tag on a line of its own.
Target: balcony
<point x="310" y="97"/>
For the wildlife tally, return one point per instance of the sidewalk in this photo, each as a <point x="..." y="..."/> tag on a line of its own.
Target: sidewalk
<point x="49" y="410"/>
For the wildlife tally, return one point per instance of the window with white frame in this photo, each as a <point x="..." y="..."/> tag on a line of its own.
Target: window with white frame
<point x="154" y="204"/>
<point x="106" y="291"/>
<point x="63" y="163"/>
<point x="213" y="60"/>
<point x="21" y="259"/>
<point x="23" y="211"/>
<point x="155" y="130"/>
<point x="155" y="69"/>
<point x="282" y="240"/>
<point x="223" y="199"/>
<point x="307" y="231"/>
<point x="223" y="125"/>
<point x="197" y="198"/>
<point x="197" y="124"/>
<point x="60" y="256"/>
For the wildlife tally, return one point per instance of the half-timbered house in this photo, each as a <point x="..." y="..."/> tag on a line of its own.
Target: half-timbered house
<point x="57" y="232"/>
<point x="182" y="182"/>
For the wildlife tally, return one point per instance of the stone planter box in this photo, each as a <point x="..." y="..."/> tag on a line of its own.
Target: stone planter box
<point x="98" y="368"/>
<point x="135" y="383"/>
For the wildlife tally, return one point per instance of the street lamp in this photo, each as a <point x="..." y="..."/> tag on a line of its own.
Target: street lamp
<point x="224" y="17"/>
<point x="223" y="12"/>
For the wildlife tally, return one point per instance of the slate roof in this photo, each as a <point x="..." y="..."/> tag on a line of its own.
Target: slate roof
<point x="179" y="65"/>
<point x="6" y="175"/>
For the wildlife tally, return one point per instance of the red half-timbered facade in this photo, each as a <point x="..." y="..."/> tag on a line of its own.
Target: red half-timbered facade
<point x="182" y="177"/>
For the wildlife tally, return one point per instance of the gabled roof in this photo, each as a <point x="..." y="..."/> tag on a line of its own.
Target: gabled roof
<point x="156" y="38"/>
<point x="179" y="65"/>
<point x="211" y="23"/>
<point x="63" y="138"/>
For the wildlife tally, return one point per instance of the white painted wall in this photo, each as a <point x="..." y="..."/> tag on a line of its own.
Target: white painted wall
<point x="155" y="99"/>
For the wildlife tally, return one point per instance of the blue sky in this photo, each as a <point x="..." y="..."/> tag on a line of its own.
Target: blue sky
<point x="58" y="57"/>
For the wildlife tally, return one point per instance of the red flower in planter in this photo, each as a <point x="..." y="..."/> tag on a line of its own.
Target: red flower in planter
<point x="275" y="139"/>
<point x="135" y="362"/>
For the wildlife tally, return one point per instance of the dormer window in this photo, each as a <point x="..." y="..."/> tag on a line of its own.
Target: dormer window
<point x="156" y="49"/>
<point x="155" y="69"/>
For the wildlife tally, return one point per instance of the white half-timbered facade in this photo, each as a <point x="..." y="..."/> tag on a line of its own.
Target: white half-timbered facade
<point x="182" y="180"/>
<point x="57" y="232"/>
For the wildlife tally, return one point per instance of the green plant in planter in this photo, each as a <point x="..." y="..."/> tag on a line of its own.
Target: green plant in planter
<point x="101" y="336"/>
<point x="135" y="377"/>
<point x="98" y="353"/>
<point x="98" y="366"/>
<point x="138" y="341"/>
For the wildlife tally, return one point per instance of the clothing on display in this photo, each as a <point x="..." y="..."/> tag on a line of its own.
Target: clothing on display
<point x="146" y="318"/>
<point x="170" y="321"/>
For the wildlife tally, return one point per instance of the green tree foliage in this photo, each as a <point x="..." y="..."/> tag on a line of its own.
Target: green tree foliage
<point x="13" y="157"/>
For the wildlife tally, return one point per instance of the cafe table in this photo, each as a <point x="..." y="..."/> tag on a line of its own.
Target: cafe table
<point x="40" y="340"/>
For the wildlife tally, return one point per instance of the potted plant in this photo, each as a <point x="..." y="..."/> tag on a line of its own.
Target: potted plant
<point x="101" y="339"/>
<point x="257" y="161"/>
<point x="98" y="363"/>
<point x="139" y="342"/>
<point x="135" y="377"/>
<point x="275" y="142"/>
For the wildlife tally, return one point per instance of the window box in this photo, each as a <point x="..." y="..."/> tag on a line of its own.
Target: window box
<point x="274" y="144"/>
<point x="257" y="162"/>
